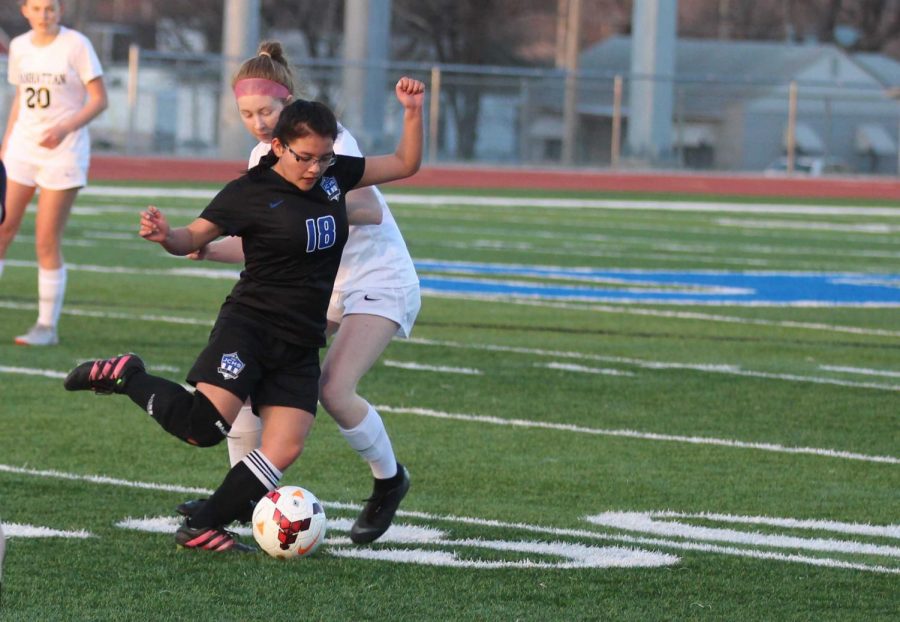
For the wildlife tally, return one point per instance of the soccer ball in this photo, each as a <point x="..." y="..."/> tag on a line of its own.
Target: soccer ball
<point x="289" y="522"/>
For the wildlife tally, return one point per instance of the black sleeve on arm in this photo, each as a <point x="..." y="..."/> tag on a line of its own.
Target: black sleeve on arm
<point x="348" y="170"/>
<point x="228" y="209"/>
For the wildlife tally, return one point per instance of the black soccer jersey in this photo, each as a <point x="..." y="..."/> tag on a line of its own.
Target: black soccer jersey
<point x="292" y="247"/>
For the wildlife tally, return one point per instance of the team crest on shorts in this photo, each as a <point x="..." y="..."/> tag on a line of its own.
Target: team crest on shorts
<point x="230" y="366"/>
<point x="330" y="186"/>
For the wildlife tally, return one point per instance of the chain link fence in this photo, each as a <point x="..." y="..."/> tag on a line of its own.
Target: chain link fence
<point x="168" y="104"/>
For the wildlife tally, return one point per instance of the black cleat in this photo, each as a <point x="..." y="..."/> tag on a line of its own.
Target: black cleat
<point x="104" y="376"/>
<point x="215" y="539"/>
<point x="380" y="508"/>
<point x="190" y="507"/>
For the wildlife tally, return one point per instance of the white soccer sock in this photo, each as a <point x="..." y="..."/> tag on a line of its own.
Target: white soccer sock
<point x="2" y="263"/>
<point x="263" y="469"/>
<point x="245" y="435"/>
<point x="51" y="291"/>
<point x="370" y="440"/>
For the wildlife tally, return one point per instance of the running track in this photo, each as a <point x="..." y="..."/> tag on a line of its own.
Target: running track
<point x="115" y="168"/>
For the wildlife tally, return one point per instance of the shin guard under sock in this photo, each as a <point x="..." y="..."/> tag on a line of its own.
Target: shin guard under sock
<point x="371" y="441"/>
<point x="188" y="416"/>
<point x="246" y="483"/>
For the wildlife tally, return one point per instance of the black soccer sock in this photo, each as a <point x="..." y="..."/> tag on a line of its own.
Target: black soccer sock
<point x="384" y="485"/>
<point x="246" y="483"/>
<point x="188" y="416"/>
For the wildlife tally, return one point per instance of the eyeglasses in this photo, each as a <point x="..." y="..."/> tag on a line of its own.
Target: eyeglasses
<point x="324" y="162"/>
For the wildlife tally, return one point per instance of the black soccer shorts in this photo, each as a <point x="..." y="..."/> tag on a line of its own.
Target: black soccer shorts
<point x="244" y="359"/>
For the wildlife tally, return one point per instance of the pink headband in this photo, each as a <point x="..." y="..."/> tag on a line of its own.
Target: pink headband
<point x="260" y="86"/>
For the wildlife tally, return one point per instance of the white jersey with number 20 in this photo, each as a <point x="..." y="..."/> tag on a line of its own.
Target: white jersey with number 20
<point x="51" y="80"/>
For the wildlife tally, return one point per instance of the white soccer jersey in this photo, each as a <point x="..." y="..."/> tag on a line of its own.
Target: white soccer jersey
<point x="375" y="256"/>
<point x="257" y="154"/>
<point x="51" y="81"/>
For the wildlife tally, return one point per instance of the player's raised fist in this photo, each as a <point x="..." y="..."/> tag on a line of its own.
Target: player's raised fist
<point x="410" y="93"/>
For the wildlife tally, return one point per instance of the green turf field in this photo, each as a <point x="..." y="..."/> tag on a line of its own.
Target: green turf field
<point x="572" y="457"/>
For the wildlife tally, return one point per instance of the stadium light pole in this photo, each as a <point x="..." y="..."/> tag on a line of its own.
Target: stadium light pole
<point x="651" y="86"/>
<point x="570" y="103"/>
<point x="367" y="31"/>
<point x="791" y="137"/>
<point x="894" y="93"/>
<point x="240" y="37"/>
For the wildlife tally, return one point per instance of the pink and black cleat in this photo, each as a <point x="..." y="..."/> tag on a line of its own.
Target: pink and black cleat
<point x="214" y="539"/>
<point x="104" y="376"/>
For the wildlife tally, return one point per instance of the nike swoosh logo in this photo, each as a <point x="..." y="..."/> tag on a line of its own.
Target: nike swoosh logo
<point x="275" y="204"/>
<point x="301" y="551"/>
<point x="366" y="297"/>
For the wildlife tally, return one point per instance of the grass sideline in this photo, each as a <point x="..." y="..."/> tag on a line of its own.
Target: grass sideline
<point x="580" y="409"/>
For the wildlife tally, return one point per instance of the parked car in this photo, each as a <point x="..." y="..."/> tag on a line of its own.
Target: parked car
<point x="814" y="166"/>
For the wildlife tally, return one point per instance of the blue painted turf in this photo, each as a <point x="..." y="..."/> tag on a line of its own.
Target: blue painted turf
<point x="668" y="287"/>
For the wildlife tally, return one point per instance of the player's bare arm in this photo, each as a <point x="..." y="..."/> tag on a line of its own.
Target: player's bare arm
<point x="405" y="161"/>
<point x="226" y="250"/>
<point x="97" y="101"/>
<point x="181" y="240"/>
<point x="363" y="207"/>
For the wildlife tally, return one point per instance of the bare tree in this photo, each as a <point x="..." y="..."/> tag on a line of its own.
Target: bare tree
<point x="448" y="31"/>
<point x="734" y="19"/>
<point x="491" y="32"/>
<point x="877" y="21"/>
<point x="320" y="22"/>
<point x="204" y="16"/>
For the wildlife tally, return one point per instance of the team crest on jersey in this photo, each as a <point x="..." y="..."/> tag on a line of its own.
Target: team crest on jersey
<point x="230" y="366"/>
<point x="330" y="186"/>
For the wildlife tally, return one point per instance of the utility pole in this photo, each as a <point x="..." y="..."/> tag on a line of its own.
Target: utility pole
<point x="651" y="86"/>
<point x="367" y="31"/>
<point x="240" y="38"/>
<point x="570" y="103"/>
<point x="724" y="17"/>
<point x="562" y="12"/>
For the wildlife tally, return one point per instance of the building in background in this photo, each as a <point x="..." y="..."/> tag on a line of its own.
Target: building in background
<point x="731" y="105"/>
<point x="730" y="108"/>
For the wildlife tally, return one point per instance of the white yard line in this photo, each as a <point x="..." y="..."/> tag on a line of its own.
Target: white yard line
<point x="865" y="227"/>
<point x="106" y="315"/>
<point x="17" y="530"/>
<point x="565" y="427"/>
<point x="727" y="369"/>
<point x="431" y="200"/>
<point x="31" y="371"/>
<point x="651" y="436"/>
<point x="584" y="370"/>
<point x="646" y="522"/>
<point x="468" y="371"/>
<point x="102" y="479"/>
<point x="885" y="531"/>
<point x="707" y="317"/>
<point x="427" y="200"/>
<point x="192" y="269"/>
<point x="715" y="368"/>
<point x="640" y="522"/>
<point x="861" y="370"/>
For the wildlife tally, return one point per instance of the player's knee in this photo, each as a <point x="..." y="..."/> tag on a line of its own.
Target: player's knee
<point x="7" y="233"/>
<point x="203" y="439"/>
<point x="328" y="395"/>
<point x="207" y="427"/>
<point x="335" y="395"/>
<point x="47" y="251"/>
<point x="285" y="453"/>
